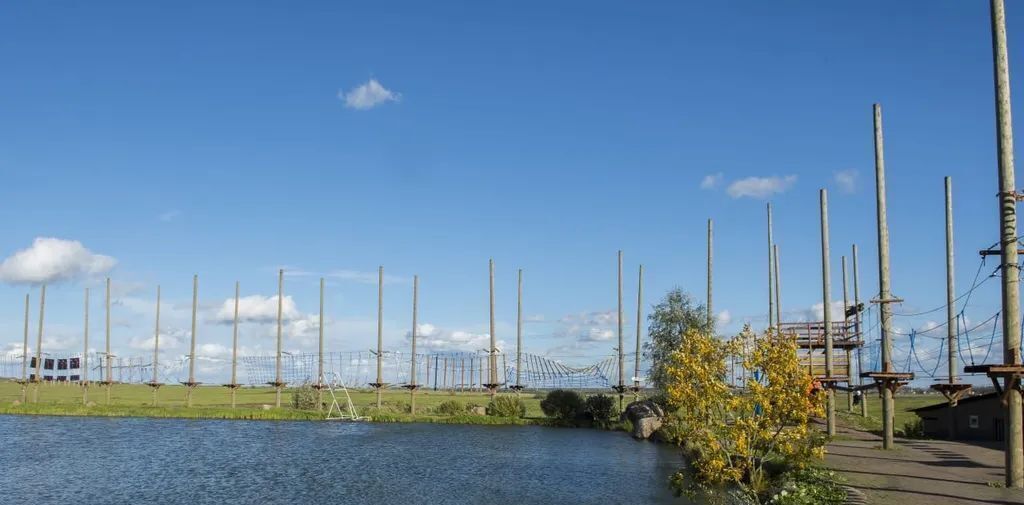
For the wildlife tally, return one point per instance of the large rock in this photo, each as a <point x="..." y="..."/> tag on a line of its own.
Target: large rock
<point x="646" y="417"/>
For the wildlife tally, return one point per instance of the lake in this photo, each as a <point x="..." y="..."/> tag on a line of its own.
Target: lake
<point x="65" y="460"/>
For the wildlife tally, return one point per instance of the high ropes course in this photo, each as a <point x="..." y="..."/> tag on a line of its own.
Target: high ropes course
<point x="460" y="371"/>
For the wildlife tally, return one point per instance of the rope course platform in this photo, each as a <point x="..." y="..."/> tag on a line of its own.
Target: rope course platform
<point x="952" y="391"/>
<point x="889" y="380"/>
<point x="1011" y="372"/>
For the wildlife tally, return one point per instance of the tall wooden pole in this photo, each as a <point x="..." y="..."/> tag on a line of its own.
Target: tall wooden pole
<point x="156" y="348"/>
<point x="778" y="286"/>
<point x="412" y="360"/>
<point x="622" y="359"/>
<point x="519" y="331"/>
<point x="771" y="289"/>
<point x="278" y="379"/>
<point x="39" y="345"/>
<point x="1008" y="246"/>
<point x="639" y="330"/>
<point x="846" y="334"/>
<point x="493" y="358"/>
<point x="826" y="290"/>
<point x="24" y="348"/>
<point x="192" y="344"/>
<point x="951" y="342"/>
<point x="380" y="334"/>
<point x="711" y="312"/>
<point x="857" y="328"/>
<point x="85" y="352"/>
<point x="110" y="376"/>
<point x="885" y="291"/>
<point x="234" y="349"/>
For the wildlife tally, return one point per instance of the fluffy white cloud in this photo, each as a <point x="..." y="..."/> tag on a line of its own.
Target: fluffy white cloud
<point x="846" y="180"/>
<point x="368" y="95"/>
<point x="53" y="259"/>
<point x="711" y="181"/>
<point x="723" y="319"/>
<point x="169" y="339"/>
<point x="434" y="338"/>
<point x="256" y="309"/>
<point x="590" y="327"/>
<point x="760" y="187"/>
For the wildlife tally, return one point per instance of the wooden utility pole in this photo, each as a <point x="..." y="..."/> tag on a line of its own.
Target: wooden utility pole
<point x="622" y="360"/>
<point x="771" y="289"/>
<point x="889" y="379"/>
<point x="234" y="349"/>
<point x="109" y="382"/>
<point x="320" y="353"/>
<point x="24" y="350"/>
<point x="155" y="383"/>
<point x="857" y="328"/>
<point x="711" y="313"/>
<point x="519" y="333"/>
<point x="951" y="342"/>
<point x="826" y="290"/>
<point x="492" y="356"/>
<point x="1008" y="247"/>
<point x="412" y="360"/>
<point x="846" y="334"/>
<point x="39" y="345"/>
<point x="84" y="378"/>
<point x="778" y="286"/>
<point x="639" y="326"/>
<point x="379" y="385"/>
<point x="191" y="384"/>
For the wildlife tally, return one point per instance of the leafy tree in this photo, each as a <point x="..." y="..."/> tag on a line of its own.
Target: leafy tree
<point x="304" y="398"/>
<point x="733" y="437"/>
<point x="676" y="315"/>
<point x="601" y="407"/>
<point x="563" y="404"/>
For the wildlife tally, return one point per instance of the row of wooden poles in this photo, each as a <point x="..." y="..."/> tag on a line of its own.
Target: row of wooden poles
<point x="493" y="384"/>
<point x="888" y="379"/>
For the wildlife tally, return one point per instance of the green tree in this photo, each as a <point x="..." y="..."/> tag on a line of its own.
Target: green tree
<point x="676" y="315"/>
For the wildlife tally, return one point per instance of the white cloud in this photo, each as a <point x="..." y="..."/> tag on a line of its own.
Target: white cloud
<point x="429" y="336"/>
<point x="53" y="259"/>
<point x="711" y="181"/>
<point x="760" y="187"/>
<point x="169" y="339"/>
<point x="591" y="327"/>
<point x="369" y="95"/>
<point x="256" y="309"/>
<point x="169" y="215"/>
<point x="816" y="312"/>
<point x="723" y="318"/>
<point x="846" y="180"/>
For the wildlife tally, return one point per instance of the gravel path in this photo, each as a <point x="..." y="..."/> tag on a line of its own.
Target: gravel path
<point x="920" y="472"/>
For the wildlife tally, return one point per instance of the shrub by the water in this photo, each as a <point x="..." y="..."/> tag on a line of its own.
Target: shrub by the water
<point x="304" y="398"/>
<point x="506" y="406"/>
<point x="914" y="429"/>
<point x="450" y="408"/>
<point x="563" y="404"/>
<point x="600" y="407"/>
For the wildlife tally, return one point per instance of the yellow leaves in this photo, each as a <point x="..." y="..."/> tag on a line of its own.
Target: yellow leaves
<point x="735" y="432"/>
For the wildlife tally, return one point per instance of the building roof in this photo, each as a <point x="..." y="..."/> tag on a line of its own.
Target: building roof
<point x="969" y="399"/>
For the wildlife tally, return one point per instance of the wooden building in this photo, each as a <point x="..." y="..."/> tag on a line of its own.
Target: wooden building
<point x="980" y="417"/>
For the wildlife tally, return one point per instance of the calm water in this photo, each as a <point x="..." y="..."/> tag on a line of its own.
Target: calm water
<point x="93" y="460"/>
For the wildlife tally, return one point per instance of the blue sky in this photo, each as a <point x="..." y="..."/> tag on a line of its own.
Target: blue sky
<point x="229" y="140"/>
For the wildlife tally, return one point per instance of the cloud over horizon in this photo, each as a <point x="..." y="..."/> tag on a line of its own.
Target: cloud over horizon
<point x="51" y="259"/>
<point x="368" y="95"/>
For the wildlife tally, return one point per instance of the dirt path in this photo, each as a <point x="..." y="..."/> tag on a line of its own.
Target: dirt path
<point x="920" y="472"/>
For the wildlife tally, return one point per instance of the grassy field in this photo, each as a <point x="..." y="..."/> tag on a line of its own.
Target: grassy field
<point x="215" y="402"/>
<point x="873" y="422"/>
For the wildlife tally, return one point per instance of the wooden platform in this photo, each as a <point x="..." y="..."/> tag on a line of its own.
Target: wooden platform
<point x="952" y="391"/>
<point x="1012" y="374"/>
<point x="378" y="385"/>
<point x="410" y="387"/>
<point x="190" y="384"/>
<point x="154" y="384"/>
<point x="232" y="386"/>
<point x="889" y="380"/>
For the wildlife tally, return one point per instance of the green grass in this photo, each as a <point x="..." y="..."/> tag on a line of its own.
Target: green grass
<point x="211" y="402"/>
<point x="873" y="422"/>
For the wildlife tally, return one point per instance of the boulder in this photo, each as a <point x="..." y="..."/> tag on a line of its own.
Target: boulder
<point x="645" y="416"/>
<point x="267" y="407"/>
<point x="16" y="403"/>
<point x="90" y="404"/>
<point x="479" y="411"/>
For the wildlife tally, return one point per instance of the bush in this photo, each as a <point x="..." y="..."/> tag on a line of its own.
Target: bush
<point x="450" y="408"/>
<point x="304" y="398"/>
<point x="600" y="407"/>
<point x="914" y="429"/>
<point x="810" y="486"/>
<point x="506" y="406"/>
<point x="563" y="404"/>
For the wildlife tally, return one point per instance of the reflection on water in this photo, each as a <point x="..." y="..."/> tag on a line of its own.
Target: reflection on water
<point x="69" y="460"/>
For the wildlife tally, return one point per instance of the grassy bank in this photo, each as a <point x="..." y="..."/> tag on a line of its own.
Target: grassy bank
<point x="873" y="422"/>
<point x="212" y="402"/>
